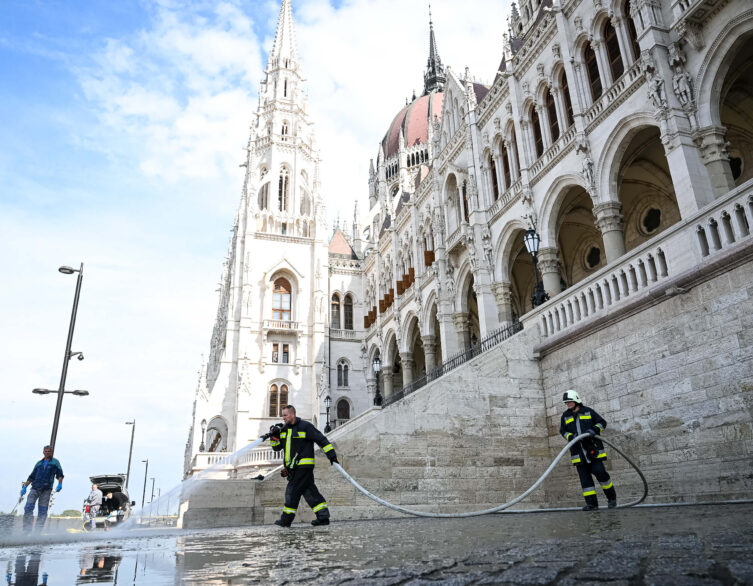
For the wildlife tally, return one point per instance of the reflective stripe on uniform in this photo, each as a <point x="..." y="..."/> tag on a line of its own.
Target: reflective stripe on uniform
<point x="569" y="420"/>
<point x="585" y="417"/>
<point x="288" y="510"/>
<point x="589" y="491"/>
<point x="304" y="461"/>
<point x="273" y="443"/>
<point x="327" y="448"/>
<point x="600" y="426"/>
<point x="568" y="435"/>
<point x="602" y="454"/>
<point x="576" y="460"/>
<point x="301" y="434"/>
<point x="284" y="434"/>
<point x="287" y="448"/>
<point x="318" y="508"/>
<point x="607" y="486"/>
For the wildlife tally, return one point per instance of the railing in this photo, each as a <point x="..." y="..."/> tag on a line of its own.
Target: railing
<point x="342" y="334"/>
<point x="277" y="324"/>
<point x="453" y="238"/>
<point x="509" y="197"/>
<point x="680" y="248"/>
<point x="615" y="94"/>
<point x="553" y="151"/>
<point x="256" y="457"/>
<point x="492" y="340"/>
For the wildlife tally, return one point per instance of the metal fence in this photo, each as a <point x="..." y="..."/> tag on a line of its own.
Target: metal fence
<point x="492" y="340"/>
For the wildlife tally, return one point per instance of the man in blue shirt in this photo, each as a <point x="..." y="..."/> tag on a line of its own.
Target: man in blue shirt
<point x="42" y="478"/>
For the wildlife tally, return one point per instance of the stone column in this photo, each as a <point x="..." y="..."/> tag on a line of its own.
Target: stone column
<point x="559" y="106"/>
<point x="503" y="297"/>
<point x="712" y="144"/>
<point x="544" y="127"/>
<point x="623" y="38"/>
<point x="386" y="380"/>
<point x="463" y="329"/>
<point x="602" y="60"/>
<point x="609" y="221"/>
<point x="549" y="266"/>
<point x="430" y="348"/>
<point x="406" y="358"/>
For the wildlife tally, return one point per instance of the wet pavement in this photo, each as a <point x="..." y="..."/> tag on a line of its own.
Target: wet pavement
<point x="662" y="546"/>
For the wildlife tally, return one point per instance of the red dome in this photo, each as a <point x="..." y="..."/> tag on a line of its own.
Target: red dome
<point x="414" y="121"/>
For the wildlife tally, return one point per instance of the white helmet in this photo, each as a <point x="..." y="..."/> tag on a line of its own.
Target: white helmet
<point x="571" y="395"/>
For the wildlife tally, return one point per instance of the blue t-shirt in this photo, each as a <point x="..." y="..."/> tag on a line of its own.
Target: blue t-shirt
<point x="44" y="473"/>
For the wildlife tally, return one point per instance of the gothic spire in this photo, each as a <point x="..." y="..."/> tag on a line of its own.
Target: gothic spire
<point x="434" y="78"/>
<point x="284" y="48"/>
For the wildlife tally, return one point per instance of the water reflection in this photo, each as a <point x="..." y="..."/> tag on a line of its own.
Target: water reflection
<point x="27" y="569"/>
<point x="98" y="565"/>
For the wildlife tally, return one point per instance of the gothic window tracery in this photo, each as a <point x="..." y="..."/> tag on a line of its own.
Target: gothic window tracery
<point x="634" y="46"/>
<point x="568" y="102"/>
<point x="264" y="196"/>
<point x="592" y="69"/>
<point x="493" y="173"/>
<point x="348" y="312"/>
<point x="335" y="312"/>
<point x="342" y="373"/>
<point x="551" y="110"/>
<point x="283" y="190"/>
<point x="278" y="398"/>
<point x="538" y="140"/>
<point x="613" y="51"/>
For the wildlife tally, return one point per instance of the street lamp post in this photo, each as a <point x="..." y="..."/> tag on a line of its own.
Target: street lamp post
<point x="532" y="241"/>
<point x="68" y="354"/>
<point x="327" y="403"/>
<point x="202" y="447"/>
<point x="146" y="472"/>
<point x="130" y="451"/>
<point x="377" y="364"/>
<point x="151" y="500"/>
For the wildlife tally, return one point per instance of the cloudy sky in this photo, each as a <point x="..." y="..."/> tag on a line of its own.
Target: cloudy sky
<point x="121" y="136"/>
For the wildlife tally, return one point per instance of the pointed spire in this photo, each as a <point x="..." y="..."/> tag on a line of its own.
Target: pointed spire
<point x="283" y="49"/>
<point x="434" y="78"/>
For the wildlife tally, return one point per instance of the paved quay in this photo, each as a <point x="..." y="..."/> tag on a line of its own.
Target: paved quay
<point x="663" y="546"/>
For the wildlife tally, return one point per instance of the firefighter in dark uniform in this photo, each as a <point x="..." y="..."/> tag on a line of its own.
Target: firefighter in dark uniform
<point x="587" y="455"/>
<point x="297" y="438"/>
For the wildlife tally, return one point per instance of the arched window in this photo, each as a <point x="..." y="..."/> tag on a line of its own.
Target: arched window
<point x="551" y="110"/>
<point x="264" y="196"/>
<point x="274" y="401"/>
<point x="568" y="102"/>
<point x="506" y="166"/>
<point x="466" y="210"/>
<point x="342" y="373"/>
<point x="592" y="69"/>
<point x="537" y="138"/>
<point x="343" y="409"/>
<point x="493" y="172"/>
<point x="285" y="88"/>
<point x="634" y="46"/>
<point x="613" y="51"/>
<point x="284" y="130"/>
<point x="335" y="313"/>
<point x="281" y="300"/>
<point x="283" y="190"/>
<point x="348" y="313"/>
<point x="514" y="146"/>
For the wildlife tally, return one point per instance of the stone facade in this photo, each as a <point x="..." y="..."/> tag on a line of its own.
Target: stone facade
<point x="618" y="132"/>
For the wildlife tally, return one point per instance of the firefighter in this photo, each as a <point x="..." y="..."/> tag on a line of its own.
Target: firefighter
<point x="587" y="455"/>
<point x="296" y="438"/>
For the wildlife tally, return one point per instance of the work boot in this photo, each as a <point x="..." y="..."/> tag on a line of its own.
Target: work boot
<point x="612" y="504"/>
<point x="281" y="523"/>
<point x="317" y="522"/>
<point x="590" y="507"/>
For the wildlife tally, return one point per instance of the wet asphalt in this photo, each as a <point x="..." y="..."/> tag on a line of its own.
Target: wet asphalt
<point x="663" y="546"/>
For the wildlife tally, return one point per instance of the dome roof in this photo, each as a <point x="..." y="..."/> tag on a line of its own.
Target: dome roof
<point x="414" y="121"/>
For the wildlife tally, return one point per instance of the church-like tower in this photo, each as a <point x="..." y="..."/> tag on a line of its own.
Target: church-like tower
<point x="270" y="337"/>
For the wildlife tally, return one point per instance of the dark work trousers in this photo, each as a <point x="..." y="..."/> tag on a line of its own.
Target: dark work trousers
<point x="302" y="485"/>
<point x="595" y="468"/>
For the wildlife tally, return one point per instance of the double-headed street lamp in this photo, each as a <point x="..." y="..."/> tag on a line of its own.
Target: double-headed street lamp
<point x="68" y="355"/>
<point x="130" y="452"/>
<point x="532" y="241"/>
<point x="377" y="364"/>
<point x="327" y="403"/>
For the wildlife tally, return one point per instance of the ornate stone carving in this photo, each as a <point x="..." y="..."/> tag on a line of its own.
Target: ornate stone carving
<point x="540" y="70"/>
<point x="682" y="84"/>
<point x="654" y="81"/>
<point x="486" y="243"/>
<point x="530" y="216"/>
<point x="556" y="51"/>
<point x="578" y="21"/>
<point x="608" y="216"/>
<point x="691" y="32"/>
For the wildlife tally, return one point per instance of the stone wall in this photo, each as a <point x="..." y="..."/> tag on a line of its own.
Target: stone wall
<point x="675" y="383"/>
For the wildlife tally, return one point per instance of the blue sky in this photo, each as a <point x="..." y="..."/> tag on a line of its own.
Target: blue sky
<point x="122" y="130"/>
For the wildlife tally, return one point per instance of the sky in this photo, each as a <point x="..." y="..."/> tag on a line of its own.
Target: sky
<point x="122" y="127"/>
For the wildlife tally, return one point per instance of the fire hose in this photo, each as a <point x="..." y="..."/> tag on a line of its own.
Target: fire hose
<point x="508" y="504"/>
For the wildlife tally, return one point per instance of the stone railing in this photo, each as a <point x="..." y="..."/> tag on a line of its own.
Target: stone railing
<point x="223" y="463"/>
<point x="614" y="95"/>
<point x="552" y="153"/>
<point x="680" y="248"/>
<point x="280" y="325"/>
<point x="342" y="334"/>
<point x="508" y="198"/>
<point x="453" y="238"/>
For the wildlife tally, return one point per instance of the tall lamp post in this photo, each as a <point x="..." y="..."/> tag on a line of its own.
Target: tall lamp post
<point x="327" y="403"/>
<point x="151" y="500"/>
<point x="532" y="241"/>
<point x="68" y="354"/>
<point x="377" y="364"/>
<point x="146" y="472"/>
<point x="202" y="447"/>
<point x="130" y="451"/>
